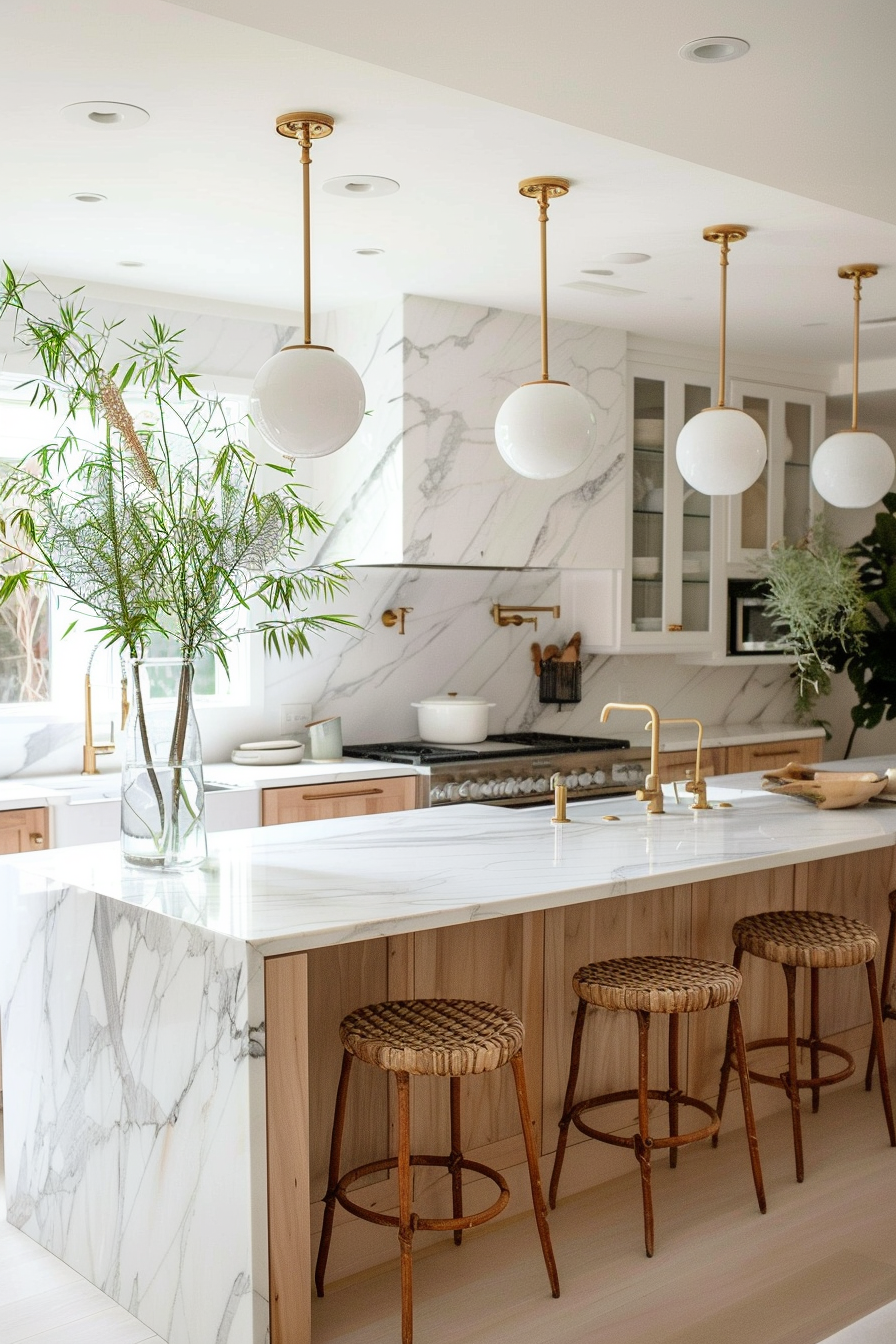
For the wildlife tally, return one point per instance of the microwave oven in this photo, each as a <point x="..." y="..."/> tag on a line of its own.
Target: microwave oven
<point x="750" y="628"/>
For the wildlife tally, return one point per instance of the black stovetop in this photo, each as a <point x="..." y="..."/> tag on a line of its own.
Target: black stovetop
<point x="498" y="745"/>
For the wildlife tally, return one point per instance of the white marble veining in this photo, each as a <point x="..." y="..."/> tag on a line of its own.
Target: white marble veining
<point x="129" y="1041"/>
<point x="320" y="883"/>
<point x="423" y="482"/>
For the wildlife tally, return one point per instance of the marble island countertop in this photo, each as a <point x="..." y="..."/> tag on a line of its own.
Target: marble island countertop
<point x="295" y="887"/>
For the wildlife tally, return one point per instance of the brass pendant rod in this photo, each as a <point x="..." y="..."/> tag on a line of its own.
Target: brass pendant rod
<point x="723" y="317"/>
<point x="857" y="297"/>
<point x="543" y="201"/>
<point x="305" y="142"/>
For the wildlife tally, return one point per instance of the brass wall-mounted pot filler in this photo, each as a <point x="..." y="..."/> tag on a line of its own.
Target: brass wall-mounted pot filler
<point x="502" y="615"/>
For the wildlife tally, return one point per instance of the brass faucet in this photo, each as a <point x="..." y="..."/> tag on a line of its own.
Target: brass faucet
<point x="652" y="792"/>
<point x="697" y="785"/>
<point x="91" y="751"/>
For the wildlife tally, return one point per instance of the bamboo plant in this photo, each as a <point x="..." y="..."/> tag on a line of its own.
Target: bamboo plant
<point x="157" y="529"/>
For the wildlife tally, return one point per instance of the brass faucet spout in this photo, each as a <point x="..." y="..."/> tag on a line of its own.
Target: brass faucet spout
<point x="652" y="792"/>
<point x="697" y="785"/>
<point x="92" y="750"/>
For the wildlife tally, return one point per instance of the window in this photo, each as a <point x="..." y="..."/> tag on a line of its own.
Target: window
<point x="39" y="661"/>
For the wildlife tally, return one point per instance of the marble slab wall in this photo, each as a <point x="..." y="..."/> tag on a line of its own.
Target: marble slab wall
<point x="132" y="1060"/>
<point x="436" y="374"/>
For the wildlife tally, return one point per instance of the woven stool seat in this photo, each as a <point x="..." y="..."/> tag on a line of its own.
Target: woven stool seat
<point x="657" y="984"/>
<point x="810" y="938"/>
<point x="445" y="1037"/>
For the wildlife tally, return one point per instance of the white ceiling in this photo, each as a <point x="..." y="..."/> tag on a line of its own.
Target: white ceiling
<point x="206" y="195"/>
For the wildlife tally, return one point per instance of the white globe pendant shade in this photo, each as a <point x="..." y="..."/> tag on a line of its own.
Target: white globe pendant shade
<point x="307" y="401"/>
<point x="853" y="469"/>
<point x="545" y="430"/>
<point x="721" y="451"/>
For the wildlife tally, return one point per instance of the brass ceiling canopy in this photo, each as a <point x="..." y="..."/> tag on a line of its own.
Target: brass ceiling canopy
<point x="725" y="233"/>
<point x="312" y="125"/>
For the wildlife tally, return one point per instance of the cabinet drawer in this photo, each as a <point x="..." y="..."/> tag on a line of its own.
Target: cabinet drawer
<point x="677" y="765"/>
<point x="352" y="798"/>
<point x="772" y="755"/>
<point x="24" y="829"/>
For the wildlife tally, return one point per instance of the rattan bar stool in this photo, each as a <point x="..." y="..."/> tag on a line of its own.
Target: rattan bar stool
<point x="646" y="985"/>
<point x="818" y="941"/>
<point x="886" y="1006"/>
<point x="448" y="1038"/>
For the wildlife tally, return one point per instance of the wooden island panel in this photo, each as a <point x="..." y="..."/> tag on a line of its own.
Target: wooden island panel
<point x="772" y="755"/>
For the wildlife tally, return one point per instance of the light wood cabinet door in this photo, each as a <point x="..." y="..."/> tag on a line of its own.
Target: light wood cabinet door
<point x="24" y="829"/>
<point x="351" y="798"/>
<point x="678" y="765"/>
<point x="772" y="755"/>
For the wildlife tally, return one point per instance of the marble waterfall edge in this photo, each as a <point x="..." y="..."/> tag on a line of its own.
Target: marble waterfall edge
<point x="134" y="1045"/>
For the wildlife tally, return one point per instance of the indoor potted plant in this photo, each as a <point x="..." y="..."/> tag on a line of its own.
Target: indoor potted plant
<point x="161" y="533"/>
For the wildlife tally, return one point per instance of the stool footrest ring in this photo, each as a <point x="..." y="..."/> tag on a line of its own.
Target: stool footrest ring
<point x="424" y="1224"/>
<point x="658" y="1141"/>
<point x="778" y="1042"/>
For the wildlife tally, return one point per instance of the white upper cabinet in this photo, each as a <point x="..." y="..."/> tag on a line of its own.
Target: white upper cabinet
<point x="781" y="504"/>
<point x="422" y="483"/>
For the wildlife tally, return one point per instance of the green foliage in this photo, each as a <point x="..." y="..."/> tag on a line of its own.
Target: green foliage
<point x="157" y="528"/>
<point x="872" y="667"/>
<point x="817" y="600"/>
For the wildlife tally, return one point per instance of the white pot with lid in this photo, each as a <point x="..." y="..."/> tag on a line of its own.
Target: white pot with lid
<point x="453" y="718"/>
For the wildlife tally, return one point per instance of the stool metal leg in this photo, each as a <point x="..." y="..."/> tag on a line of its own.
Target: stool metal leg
<point x="568" y="1100"/>
<point x="541" y="1214"/>
<point x="789" y="1078"/>
<point x="886" y="1006"/>
<point x="746" y="1097"/>
<point x="813" y="1036"/>
<point x="457" y="1198"/>
<point x="877" y="1023"/>
<point x="729" y="1046"/>
<point x="323" y="1250"/>
<point x="405" y="1216"/>
<point x="643" y="1142"/>
<point x="674" y="1092"/>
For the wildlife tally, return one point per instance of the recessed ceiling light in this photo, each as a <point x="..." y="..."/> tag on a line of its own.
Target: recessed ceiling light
<point x="627" y="258"/>
<point x="132" y="265"/>
<point x="88" y="197"/>
<point x="361" y="184"/>
<point x="369" y="251"/>
<point x="124" y="116"/>
<point x="713" y="50"/>
<point x="595" y="287"/>
<point x="594" y="271"/>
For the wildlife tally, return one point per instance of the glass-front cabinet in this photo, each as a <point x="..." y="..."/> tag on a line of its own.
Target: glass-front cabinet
<point x="782" y="502"/>
<point x="667" y="594"/>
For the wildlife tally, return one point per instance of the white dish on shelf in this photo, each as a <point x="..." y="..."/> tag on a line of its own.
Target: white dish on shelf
<point x="653" y="501"/>
<point x="695" y="562"/>
<point x="645" y="566"/>
<point x="649" y="433"/>
<point x="645" y="623"/>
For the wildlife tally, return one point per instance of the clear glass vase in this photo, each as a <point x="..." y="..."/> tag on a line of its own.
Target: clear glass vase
<point x="162" y="792"/>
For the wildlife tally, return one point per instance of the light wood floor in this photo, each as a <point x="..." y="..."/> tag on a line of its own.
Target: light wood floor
<point x="821" y="1260"/>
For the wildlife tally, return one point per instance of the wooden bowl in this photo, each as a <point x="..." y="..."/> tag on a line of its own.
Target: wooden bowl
<point x="828" y="789"/>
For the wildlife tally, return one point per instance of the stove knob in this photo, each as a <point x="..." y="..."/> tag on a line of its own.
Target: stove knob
<point x="437" y="795"/>
<point x="572" y="781"/>
<point x="488" y="788"/>
<point x="464" y="789"/>
<point x="585" y="780"/>
<point x="452" y="792"/>
<point x="598" y="777"/>
<point x="475" y="790"/>
<point x="511" y="788"/>
<point x="527" y="785"/>
<point x="541" y="784"/>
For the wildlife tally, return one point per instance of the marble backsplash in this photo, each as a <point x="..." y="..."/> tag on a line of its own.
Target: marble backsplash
<point x="371" y="676"/>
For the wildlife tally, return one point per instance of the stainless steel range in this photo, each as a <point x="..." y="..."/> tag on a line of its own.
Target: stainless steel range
<point x="515" y="769"/>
